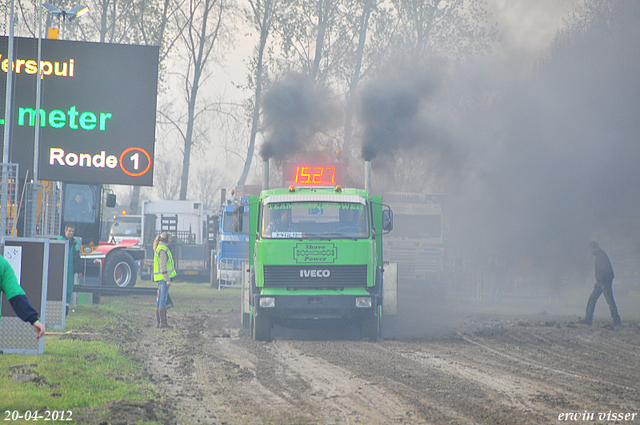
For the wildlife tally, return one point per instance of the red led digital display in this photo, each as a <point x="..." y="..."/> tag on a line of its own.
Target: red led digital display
<point x="325" y="175"/>
<point x="312" y="175"/>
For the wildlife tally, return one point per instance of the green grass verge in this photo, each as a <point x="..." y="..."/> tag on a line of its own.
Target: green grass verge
<point x="71" y="374"/>
<point x="88" y="372"/>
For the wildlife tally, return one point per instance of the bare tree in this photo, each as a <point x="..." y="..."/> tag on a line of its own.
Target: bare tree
<point x="205" y="30"/>
<point x="166" y="179"/>
<point x="261" y="16"/>
<point x="207" y="185"/>
<point x="113" y="20"/>
<point x="456" y="28"/>
<point x="314" y="36"/>
<point x="373" y="34"/>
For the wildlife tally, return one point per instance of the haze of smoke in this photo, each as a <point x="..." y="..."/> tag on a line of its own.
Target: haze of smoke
<point x="294" y="110"/>
<point x="561" y="155"/>
<point x="400" y="129"/>
<point x="392" y="112"/>
<point x="389" y="113"/>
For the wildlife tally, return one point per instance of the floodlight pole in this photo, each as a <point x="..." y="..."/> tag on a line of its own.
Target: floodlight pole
<point x="36" y="140"/>
<point x="9" y="88"/>
<point x="6" y="149"/>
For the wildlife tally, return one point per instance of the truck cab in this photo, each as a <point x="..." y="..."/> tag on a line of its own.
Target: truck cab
<point x="233" y="249"/>
<point x="104" y="263"/>
<point x="316" y="258"/>
<point x="126" y="227"/>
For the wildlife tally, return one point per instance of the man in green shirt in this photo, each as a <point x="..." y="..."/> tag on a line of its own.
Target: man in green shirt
<point x="17" y="298"/>
<point x="74" y="264"/>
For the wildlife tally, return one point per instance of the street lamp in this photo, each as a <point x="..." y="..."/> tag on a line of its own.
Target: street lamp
<point x="72" y="14"/>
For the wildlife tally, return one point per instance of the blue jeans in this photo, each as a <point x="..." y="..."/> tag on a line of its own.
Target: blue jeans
<point x="163" y="292"/>
<point x="601" y="288"/>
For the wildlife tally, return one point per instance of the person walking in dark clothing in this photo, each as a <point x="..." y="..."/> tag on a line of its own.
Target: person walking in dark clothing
<point x="604" y="285"/>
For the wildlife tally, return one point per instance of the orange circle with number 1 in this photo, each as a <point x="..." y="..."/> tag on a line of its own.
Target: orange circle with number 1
<point x="142" y="172"/>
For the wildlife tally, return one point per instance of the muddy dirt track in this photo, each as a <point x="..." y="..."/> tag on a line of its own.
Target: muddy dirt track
<point x="477" y="369"/>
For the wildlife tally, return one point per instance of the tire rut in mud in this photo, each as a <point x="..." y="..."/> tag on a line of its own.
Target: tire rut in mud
<point x="494" y="371"/>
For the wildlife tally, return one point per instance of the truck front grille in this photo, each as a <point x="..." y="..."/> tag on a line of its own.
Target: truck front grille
<point x="303" y="312"/>
<point x="320" y="276"/>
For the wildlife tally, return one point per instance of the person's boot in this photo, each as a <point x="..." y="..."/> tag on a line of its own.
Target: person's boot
<point x="157" y="317"/>
<point x="585" y="321"/>
<point x="163" y="318"/>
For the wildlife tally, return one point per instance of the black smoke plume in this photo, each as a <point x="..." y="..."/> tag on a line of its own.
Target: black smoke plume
<point x="294" y="110"/>
<point x="396" y="115"/>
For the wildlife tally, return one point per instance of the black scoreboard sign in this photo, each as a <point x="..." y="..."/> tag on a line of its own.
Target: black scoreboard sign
<point x="97" y="112"/>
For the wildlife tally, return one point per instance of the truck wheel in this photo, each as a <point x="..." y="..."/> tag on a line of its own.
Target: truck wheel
<point x="120" y="270"/>
<point x="370" y="327"/>
<point x="261" y="328"/>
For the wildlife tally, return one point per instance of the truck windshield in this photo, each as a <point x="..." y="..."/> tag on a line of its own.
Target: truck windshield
<point x="296" y="220"/>
<point x="79" y="205"/>
<point x="228" y="224"/>
<point x="126" y="227"/>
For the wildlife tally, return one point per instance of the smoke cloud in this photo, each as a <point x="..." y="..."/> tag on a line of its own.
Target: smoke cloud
<point x="294" y="111"/>
<point x="395" y="117"/>
<point x="533" y="167"/>
<point x="558" y="163"/>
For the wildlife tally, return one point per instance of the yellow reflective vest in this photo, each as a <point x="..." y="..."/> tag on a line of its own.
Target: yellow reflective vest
<point x="171" y="270"/>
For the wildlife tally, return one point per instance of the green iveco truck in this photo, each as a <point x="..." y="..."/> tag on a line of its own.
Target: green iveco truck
<point x="316" y="257"/>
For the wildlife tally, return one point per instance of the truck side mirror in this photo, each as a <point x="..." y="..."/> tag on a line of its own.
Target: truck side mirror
<point x="111" y="200"/>
<point x="387" y="220"/>
<point x="238" y="210"/>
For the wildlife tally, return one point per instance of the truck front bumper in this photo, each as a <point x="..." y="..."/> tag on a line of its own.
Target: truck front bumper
<point x="315" y="307"/>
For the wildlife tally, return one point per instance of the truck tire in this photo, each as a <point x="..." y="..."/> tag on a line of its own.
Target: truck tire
<point x="261" y="328"/>
<point x="370" y="327"/>
<point x="120" y="270"/>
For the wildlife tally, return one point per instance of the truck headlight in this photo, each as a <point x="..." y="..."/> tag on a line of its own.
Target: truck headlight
<point x="363" y="302"/>
<point x="267" y="302"/>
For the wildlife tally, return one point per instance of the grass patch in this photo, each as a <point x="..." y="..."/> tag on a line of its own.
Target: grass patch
<point x="201" y="296"/>
<point x="71" y="374"/>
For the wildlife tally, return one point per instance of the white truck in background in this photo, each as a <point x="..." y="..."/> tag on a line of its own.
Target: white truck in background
<point x="125" y="228"/>
<point x="194" y="235"/>
<point x="417" y="240"/>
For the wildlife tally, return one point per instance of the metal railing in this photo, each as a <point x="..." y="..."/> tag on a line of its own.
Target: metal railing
<point x="9" y="203"/>
<point x="229" y="272"/>
<point x="42" y="210"/>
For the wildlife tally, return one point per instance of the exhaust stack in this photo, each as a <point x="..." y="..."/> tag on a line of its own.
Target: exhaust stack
<point x="265" y="174"/>
<point x="367" y="175"/>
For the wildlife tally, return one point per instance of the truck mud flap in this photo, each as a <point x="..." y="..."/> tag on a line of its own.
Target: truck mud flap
<point x="390" y="289"/>
<point x="389" y="300"/>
